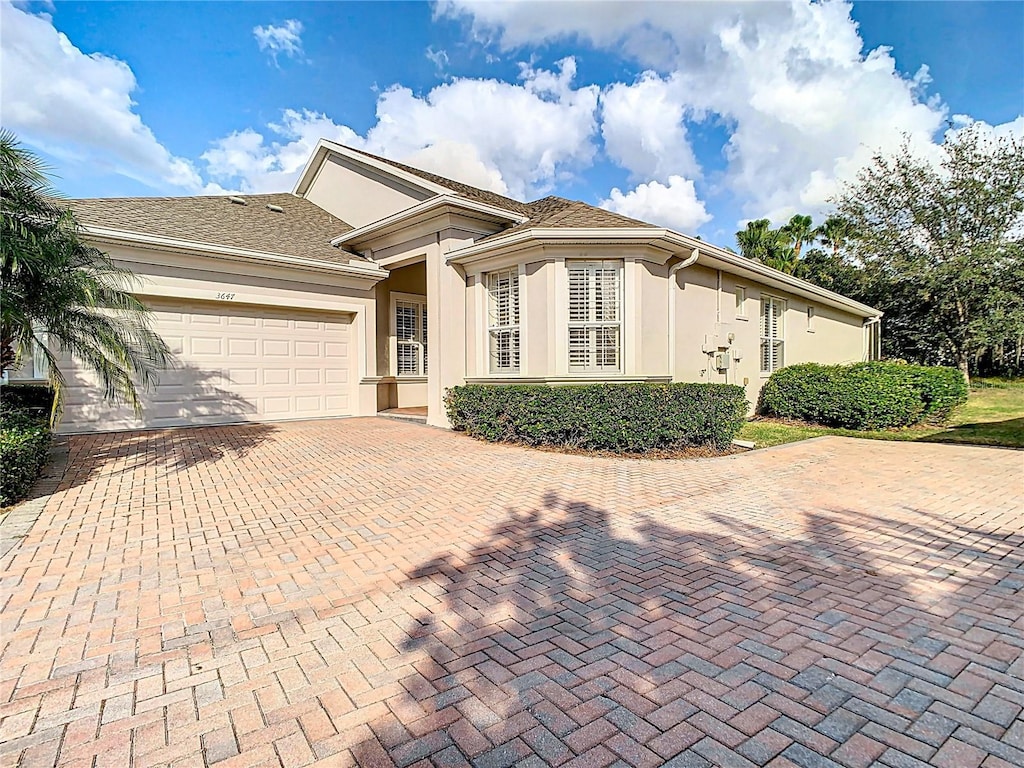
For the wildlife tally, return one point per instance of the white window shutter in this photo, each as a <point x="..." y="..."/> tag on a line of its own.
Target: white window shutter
<point x="595" y="316"/>
<point x="503" y="320"/>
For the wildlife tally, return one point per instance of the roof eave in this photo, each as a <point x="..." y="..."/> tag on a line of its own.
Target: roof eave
<point x="368" y="272"/>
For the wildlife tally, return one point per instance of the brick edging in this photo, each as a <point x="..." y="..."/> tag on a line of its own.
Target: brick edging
<point x="16" y="524"/>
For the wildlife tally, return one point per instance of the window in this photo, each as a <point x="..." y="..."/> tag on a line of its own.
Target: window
<point x="741" y="301"/>
<point x="595" y="316"/>
<point x="772" y="334"/>
<point x="810" y="319"/>
<point x="411" y="337"/>
<point x="503" y="320"/>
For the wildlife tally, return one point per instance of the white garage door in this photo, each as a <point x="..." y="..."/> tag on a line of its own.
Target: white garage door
<point x="233" y="363"/>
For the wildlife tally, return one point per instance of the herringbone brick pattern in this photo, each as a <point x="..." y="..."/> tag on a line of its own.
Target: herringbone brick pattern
<point x="376" y="593"/>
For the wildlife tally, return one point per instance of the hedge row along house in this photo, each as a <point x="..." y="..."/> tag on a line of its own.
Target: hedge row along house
<point x="375" y="285"/>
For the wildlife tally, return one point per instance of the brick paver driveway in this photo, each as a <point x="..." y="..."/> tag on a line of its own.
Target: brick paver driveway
<point x="371" y="592"/>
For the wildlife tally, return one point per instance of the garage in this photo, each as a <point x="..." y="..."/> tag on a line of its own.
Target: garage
<point x="233" y="363"/>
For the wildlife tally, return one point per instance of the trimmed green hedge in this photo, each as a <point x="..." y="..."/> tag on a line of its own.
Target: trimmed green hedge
<point x="875" y="395"/>
<point x="624" y="418"/>
<point x="24" y="439"/>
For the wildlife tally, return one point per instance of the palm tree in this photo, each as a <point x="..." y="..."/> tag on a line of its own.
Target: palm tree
<point x="835" y="233"/>
<point x="799" y="230"/>
<point x="769" y="246"/>
<point x="62" y="296"/>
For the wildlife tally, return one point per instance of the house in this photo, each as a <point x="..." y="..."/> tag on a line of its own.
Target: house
<point x="376" y="285"/>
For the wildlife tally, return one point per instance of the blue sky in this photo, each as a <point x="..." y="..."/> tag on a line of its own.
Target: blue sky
<point x="696" y="115"/>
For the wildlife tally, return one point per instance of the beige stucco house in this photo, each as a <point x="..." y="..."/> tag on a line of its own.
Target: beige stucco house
<point x="374" y="285"/>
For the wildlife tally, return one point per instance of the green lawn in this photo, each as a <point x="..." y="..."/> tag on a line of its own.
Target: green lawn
<point x="993" y="415"/>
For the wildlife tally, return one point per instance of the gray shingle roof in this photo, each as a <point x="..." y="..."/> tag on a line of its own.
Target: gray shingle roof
<point x="302" y="230"/>
<point x="559" y="212"/>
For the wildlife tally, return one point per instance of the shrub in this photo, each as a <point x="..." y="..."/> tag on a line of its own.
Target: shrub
<point x="624" y="418"/>
<point x="875" y="395"/>
<point x="24" y="439"/>
<point x="28" y="398"/>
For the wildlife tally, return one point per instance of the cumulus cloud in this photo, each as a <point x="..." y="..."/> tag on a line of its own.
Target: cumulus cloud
<point x="285" y="39"/>
<point x="246" y="160"/>
<point x="643" y="129"/>
<point x="513" y="138"/>
<point x="806" y="104"/>
<point x="673" y="205"/>
<point x="79" y="106"/>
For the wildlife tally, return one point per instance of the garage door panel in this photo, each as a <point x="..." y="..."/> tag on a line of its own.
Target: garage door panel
<point x="207" y="318"/>
<point x="242" y="347"/>
<point x="276" y="347"/>
<point x="207" y="346"/>
<point x="336" y="403"/>
<point x="308" y="403"/>
<point x="335" y="350"/>
<point x="244" y="376"/>
<point x="277" y="376"/>
<point x="233" y="363"/>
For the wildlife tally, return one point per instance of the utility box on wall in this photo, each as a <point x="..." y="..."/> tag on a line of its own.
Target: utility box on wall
<point x="722" y="361"/>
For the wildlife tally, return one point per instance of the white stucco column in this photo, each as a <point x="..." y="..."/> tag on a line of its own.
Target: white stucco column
<point x="446" y="329"/>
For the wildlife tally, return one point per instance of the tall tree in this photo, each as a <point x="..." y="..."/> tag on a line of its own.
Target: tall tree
<point x="836" y="232"/>
<point x="799" y="230"/>
<point x="60" y="295"/>
<point x="942" y="243"/>
<point x="769" y="246"/>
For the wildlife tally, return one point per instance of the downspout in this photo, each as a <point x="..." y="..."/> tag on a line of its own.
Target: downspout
<point x="675" y="268"/>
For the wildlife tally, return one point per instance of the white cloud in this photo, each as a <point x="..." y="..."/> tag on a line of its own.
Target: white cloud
<point x="439" y="57"/>
<point x="458" y="161"/>
<point x="806" y="105"/>
<point x="79" y="106"/>
<point x="643" y="129"/>
<point x="286" y="39"/>
<point x="1013" y="129"/>
<point x="674" y="205"/>
<point x="246" y="160"/>
<point x="517" y="139"/>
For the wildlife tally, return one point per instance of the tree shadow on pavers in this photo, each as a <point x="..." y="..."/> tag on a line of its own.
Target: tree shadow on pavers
<point x="186" y="394"/>
<point x="167" y="450"/>
<point x="566" y="632"/>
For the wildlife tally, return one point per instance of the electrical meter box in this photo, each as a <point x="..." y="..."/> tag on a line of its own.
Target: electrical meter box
<point x="722" y="361"/>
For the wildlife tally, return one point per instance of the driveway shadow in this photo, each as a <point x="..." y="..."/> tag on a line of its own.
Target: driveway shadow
<point x="565" y="634"/>
<point x="188" y="394"/>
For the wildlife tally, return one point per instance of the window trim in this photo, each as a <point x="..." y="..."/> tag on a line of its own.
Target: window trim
<point x="422" y="359"/>
<point x="618" y="323"/>
<point x="739" y="293"/>
<point x="779" y="337"/>
<point x="515" y="275"/>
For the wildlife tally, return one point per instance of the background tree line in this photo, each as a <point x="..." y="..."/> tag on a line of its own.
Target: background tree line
<point x="937" y="244"/>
